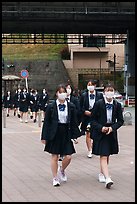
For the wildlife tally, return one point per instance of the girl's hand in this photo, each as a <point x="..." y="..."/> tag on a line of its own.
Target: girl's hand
<point x="88" y="113"/>
<point x="104" y="129"/>
<point x="43" y="141"/>
<point x="109" y="130"/>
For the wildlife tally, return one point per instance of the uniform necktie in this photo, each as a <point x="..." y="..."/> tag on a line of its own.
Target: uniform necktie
<point x="92" y="96"/>
<point x="109" y="106"/>
<point x="62" y="107"/>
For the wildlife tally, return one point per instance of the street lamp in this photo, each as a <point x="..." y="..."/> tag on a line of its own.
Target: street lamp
<point x="114" y="75"/>
<point x="114" y="68"/>
<point x="99" y="66"/>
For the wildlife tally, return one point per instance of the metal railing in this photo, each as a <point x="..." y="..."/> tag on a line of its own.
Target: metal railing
<point x="13" y="38"/>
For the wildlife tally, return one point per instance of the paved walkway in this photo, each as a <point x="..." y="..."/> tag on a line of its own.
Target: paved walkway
<point x="26" y="173"/>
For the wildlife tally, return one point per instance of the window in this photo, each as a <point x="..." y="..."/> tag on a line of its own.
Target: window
<point x="93" y="41"/>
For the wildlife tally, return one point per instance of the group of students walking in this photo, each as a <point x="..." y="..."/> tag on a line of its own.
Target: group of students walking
<point x="95" y="115"/>
<point x="23" y="102"/>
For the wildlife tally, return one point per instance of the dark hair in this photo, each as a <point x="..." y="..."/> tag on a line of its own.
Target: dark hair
<point x="68" y="84"/>
<point x="93" y="81"/>
<point x="61" y="86"/>
<point x="33" y="91"/>
<point x="109" y="86"/>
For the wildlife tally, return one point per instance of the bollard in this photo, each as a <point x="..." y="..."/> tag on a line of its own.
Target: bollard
<point x="4" y="117"/>
<point x="39" y="118"/>
<point x="127" y="118"/>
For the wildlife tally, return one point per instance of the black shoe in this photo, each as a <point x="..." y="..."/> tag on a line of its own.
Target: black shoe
<point x="61" y="158"/>
<point x="7" y="115"/>
<point x="31" y="116"/>
<point x="34" y="120"/>
<point x="18" y="115"/>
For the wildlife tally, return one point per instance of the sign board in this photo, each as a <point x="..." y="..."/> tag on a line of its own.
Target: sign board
<point x="24" y="73"/>
<point x="128" y="75"/>
<point x="125" y="67"/>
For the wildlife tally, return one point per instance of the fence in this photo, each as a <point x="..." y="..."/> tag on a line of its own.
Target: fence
<point x="130" y="101"/>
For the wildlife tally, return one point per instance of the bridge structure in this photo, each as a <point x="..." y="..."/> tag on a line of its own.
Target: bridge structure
<point x="72" y="18"/>
<point x="68" y="17"/>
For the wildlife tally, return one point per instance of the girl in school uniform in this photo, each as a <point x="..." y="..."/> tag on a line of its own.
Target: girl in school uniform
<point x="43" y="102"/>
<point x="23" y="105"/>
<point x="8" y="102"/>
<point x="107" y="118"/>
<point x="34" y="106"/>
<point x="87" y="101"/>
<point x="59" y="128"/>
<point x="16" y="102"/>
<point x="75" y="101"/>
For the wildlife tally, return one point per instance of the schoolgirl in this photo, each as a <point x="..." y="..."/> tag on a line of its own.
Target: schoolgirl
<point x="87" y="101"/>
<point x="8" y="102"/>
<point x="107" y="118"/>
<point x="59" y="128"/>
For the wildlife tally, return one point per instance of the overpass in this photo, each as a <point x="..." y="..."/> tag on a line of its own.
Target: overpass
<point x="75" y="18"/>
<point x="68" y="17"/>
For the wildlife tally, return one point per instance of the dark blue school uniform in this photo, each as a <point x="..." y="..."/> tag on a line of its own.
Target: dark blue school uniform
<point x="103" y="144"/>
<point x="34" y="102"/>
<point x="58" y="135"/>
<point x="16" y="100"/>
<point x="84" y="104"/>
<point x="24" y="102"/>
<point x="43" y="101"/>
<point x="76" y="102"/>
<point x="7" y="101"/>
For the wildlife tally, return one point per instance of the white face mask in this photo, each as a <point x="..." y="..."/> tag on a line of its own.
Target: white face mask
<point x="109" y="94"/>
<point x="91" y="88"/>
<point x="62" y="96"/>
<point x="69" y="91"/>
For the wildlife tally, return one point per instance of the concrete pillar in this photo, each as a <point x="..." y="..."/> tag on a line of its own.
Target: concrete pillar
<point x="130" y="63"/>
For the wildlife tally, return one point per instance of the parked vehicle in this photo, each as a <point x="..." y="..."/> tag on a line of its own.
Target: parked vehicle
<point x="117" y="96"/>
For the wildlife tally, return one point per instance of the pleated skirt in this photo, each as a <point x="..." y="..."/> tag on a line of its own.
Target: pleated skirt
<point x="61" y="144"/>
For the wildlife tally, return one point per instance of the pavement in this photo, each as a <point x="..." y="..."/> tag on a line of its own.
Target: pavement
<point x="26" y="173"/>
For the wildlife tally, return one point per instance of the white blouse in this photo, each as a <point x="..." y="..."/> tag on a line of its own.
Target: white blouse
<point x="62" y="115"/>
<point x="109" y="112"/>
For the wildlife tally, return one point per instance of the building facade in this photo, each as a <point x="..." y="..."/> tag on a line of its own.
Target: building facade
<point x="98" y="56"/>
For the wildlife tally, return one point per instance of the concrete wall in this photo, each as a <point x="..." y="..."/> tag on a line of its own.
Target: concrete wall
<point x="89" y="60"/>
<point x="42" y="74"/>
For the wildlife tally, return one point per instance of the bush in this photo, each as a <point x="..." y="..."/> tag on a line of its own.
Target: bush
<point x="65" y="54"/>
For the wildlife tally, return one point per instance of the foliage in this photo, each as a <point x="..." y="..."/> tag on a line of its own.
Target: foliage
<point x="31" y="52"/>
<point x="65" y="54"/>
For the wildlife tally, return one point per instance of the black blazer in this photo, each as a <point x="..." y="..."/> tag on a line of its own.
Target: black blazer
<point x="84" y="100"/>
<point x="7" y="103"/>
<point x="24" y="100"/>
<point x="99" y="118"/>
<point x="84" y="104"/>
<point x="43" y="102"/>
<point x="50" y="124"/>
<point x="76" y="102"/>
